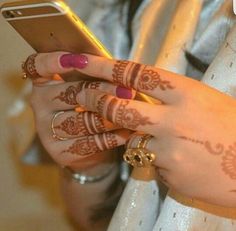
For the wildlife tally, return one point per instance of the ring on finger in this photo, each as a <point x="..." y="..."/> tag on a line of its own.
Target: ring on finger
<point x="28" y="68"/>
<point x="80" y="124"/>
<point x="54" y="134"/>
<point x="140" y="156"/>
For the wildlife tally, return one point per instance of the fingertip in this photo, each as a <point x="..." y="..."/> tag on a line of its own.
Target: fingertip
<point x="124" y="93"/>
<point x="79" y="61"/>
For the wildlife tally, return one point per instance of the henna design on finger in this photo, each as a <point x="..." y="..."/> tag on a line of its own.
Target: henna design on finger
<point x="91" y="85"/>
<point x="89" y="145"/>
<point x="134" y="70"/>
<point x="97" y="123"/>
<point x="117" y="111"/>
<point x="109" y="140"/>
<point x="118" y="71"/>
<point x="69" y="96"/>
<point x="111" y="108"/>
<point x="101" y="104"/>
<point x="138" y="76"/>
<point x="82" y="124"/>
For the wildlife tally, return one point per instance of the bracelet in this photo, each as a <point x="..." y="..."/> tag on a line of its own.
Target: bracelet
<point x="82" y="178"/>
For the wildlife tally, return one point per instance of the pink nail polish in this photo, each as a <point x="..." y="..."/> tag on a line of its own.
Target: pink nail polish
<point x="72" y="60"/>
<point x="123" y="92"/>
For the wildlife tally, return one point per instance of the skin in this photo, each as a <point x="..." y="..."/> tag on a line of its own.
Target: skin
<point x="193" y="125"/>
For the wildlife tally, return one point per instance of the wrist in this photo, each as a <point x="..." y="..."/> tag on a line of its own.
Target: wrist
<point x="95" y="170"/>
<point x="93" y="175"/>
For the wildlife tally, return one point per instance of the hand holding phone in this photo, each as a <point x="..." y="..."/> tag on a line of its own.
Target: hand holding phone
<point x="50" y="25"/>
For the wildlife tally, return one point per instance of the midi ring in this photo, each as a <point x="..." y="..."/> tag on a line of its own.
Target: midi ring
<point x="54" y="134"/>
<point x="140" y="156"/>
<point x="28" y="68"/>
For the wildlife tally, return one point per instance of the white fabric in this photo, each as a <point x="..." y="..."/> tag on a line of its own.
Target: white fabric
<point x="154" y="19"/>
<point x="138" y="208"/>
<point x="209" y="41"/>
<point x="221" y="73"/>
<point x="102" y="21"/>
<point x="180" y="36"/>
<point x="176" y="216"/>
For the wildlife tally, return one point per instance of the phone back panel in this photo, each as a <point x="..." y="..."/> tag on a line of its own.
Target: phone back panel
<point x="52" y="26"/>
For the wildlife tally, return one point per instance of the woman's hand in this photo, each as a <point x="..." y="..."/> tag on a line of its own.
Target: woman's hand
<point x="70" y="133"/>
<point x="193" y="128"/>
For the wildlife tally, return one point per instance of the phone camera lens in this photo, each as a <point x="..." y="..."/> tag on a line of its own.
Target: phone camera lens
<point x="10" y="14"/>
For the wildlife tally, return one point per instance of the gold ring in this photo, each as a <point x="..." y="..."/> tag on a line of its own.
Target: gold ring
<point x="54" y="135"/>
<point x="28" y="68"/>
<point x="140" y="156"/>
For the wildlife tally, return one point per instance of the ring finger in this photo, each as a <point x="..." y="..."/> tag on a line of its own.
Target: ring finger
<point x="152" y="145"/>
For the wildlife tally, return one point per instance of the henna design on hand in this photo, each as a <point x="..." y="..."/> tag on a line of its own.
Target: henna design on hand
<point x="218" y="150"/>
<point x="149" y="80"/>
<point x="228" y="163"/>
<point x="130" y="117"/>
<point x="88" y="145"/>
<point x="138" y="76"/>
<point x="69" y="96"/>
<point x="82" y="124"/>
<point x="124" y="116"/>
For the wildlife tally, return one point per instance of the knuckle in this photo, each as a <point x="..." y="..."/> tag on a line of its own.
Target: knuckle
<point x="176" y="158"/>
<point x="103" y="70"/>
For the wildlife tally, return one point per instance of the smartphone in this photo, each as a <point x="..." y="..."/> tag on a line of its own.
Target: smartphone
<point x="50" y="25"/>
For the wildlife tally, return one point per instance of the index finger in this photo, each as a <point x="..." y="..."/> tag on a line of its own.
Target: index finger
<point x="155" y="82"/>
<point x="152" y="81"/>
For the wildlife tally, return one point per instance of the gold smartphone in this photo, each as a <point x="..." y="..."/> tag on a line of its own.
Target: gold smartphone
<point x="50" y="25"/>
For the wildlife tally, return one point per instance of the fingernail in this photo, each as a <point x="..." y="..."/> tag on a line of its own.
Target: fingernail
<point x="72" y="60"/>
<point x="123" y="92"/>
